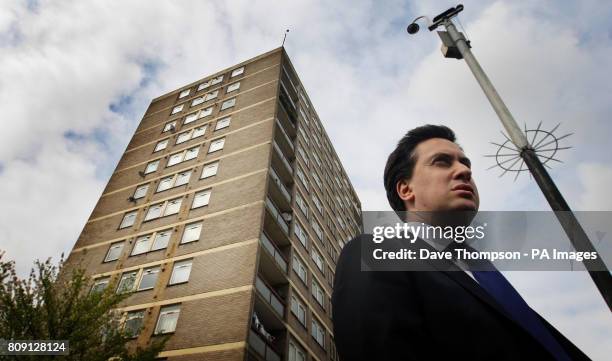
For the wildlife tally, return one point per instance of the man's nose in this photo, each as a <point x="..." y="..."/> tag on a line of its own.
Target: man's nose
<point x="463" y="172"/>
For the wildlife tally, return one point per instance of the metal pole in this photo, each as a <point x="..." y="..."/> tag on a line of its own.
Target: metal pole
<point x="578" y="237"/>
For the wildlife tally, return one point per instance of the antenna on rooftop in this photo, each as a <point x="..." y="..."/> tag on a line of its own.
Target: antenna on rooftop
<point x="285" y="37"/>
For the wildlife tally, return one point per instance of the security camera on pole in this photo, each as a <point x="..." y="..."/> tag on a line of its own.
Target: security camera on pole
<point x="455" y="45"/>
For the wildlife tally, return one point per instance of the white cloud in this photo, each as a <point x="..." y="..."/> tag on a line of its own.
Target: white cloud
<point x="596" y="179"/>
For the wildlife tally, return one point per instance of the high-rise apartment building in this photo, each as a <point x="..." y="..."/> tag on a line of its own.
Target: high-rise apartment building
<point x="224" y="218"/>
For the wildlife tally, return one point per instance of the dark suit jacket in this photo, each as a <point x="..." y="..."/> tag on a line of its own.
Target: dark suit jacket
<point x="424" y="315"/>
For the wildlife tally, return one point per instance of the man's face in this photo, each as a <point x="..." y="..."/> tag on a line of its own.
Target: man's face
<point x="441" y="179"/>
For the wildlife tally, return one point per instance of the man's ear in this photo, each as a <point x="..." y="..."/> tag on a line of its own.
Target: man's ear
<point x="404" y="191"/>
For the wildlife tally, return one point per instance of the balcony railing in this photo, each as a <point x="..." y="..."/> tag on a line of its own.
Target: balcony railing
<point x="284" y="133"/>
<point x="261" y="347"/>
<point x="274" y="176"/>
<point x="277" y="215"/>
<point x="275" y="252"/>
<point x="283" y="158"/>
<point x="266" y="292"/>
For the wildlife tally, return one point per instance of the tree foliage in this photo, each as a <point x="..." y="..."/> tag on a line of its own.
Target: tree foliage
<point x="46" y="306"/>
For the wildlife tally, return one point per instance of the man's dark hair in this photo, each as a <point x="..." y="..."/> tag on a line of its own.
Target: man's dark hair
<point x="401" y="161"/>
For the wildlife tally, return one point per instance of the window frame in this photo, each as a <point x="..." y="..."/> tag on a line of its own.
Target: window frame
<point x="178" y="264"/>
<point x="194" y="224"/>
<point x="167" y="310"/>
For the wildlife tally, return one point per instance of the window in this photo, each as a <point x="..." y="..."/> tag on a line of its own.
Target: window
<point x="316" y="179"/>
<point x="198" y="132"/>
<point x="141" y="191"/>
<point x="151" y="167"/>
<point x="100" y="284"/>
<point x="183" y="156"/>
<point x="182" y="178"/>
<point x="301" y="131"/>
<point x="211" y="95"/>
<point x="216" y="145"/>
<point x="201" y="199"/>
<point x="318" y="333"/>
<point x="237" y="72"/>
<point x="210" y="170"/>
<point x="114" y="251"/>
<point x="169" y="126"/>
<point x="168" y="317"/>
<point x="300" y="269"/>
<point x="301" y="234"/>
<point x="317" y="203"/>
<point x="318" y="260"/>
<point x="142" y="245"/>
<point x="303" y="155"/>
<point x="197" y="101"/>
<point x="176" y="180"/>
<point x="161" y="240"/>
<point x="232" y="87"/>
<point x="184" y="93"/>
<point x="217" y="80"/>
<point x="161" y="145"/>
<point x="318" y="293"/>
<point x="298" y="309"/>
<point x="183" y="137"/>
<point x="148" y="278"/>
<point x="302" y="177"/>
<point x="203" y="85"/>
<point x="190" y="118"/>
<point x="223" y="123"/>
<point x="301" y="204"/>
<point x="181" y="271"/>
<point x="128" y="219"/>
<point x="127" y="281"/>
<point x="192" y="232"/>
<point x="296" y="353"/>
<point x="317" y="228"/>
<point x="205" y="112"/>
<point x="163" y="209"/>
<point x="228" y="104"/>
<point x="133" y="323"/>
<point x="177" y="109"/>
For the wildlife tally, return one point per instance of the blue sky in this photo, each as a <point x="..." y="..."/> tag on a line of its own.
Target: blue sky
<point x="76" y="77"/>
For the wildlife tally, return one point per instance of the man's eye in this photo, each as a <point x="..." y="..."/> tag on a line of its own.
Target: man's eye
<point x="441" y="161"/>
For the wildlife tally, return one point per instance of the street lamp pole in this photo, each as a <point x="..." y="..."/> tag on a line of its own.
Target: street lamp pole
<point x="456" y="46"/>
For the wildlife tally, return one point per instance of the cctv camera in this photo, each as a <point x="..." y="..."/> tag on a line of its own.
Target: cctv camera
<point x="413" y="28"/>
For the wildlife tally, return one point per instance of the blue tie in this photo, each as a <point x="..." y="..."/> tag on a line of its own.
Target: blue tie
<point x="506" y="296"/>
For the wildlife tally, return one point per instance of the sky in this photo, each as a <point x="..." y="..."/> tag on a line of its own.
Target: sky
<point x="77" y="76"/>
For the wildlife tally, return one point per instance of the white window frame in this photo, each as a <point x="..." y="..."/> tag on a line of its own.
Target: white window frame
<point x="318" y="293"/>
<point x="317" y="259"/>
<point x="145" y="272"/>
<point x="169" y="126"/>
<point x="184" y="93"/>
<point x="126" y="224"/>
<point x="201" y="194"/>
<point x="204" y="85"/>
<point x="181" y="265"/>
<point x="197" y="101"/>
<point x="111" y="250"/>
<point x="126" y="275"/>
<point x="237" y="72"/>
<point x="178" y="108"/>
<point x="301" y="204"/>
<point x="182" y="156"/>
<point x="317" y="332"/>
<point x="167" y="311"/>
<point x="223" y="123"/>
<point x="210" y="170"/>
<point x="161" y="145"/>
<point x="100" y="281"/>
<point x="190" y="227"/>
<point x="232" y="87"/>
<point x="216" y="145"/>
<point x="300" y="269"/>
<point x="298" y="309"/>
<point x="296" y="353"/>
<point x="173" y="180"/>
<point x="300" y="174"/>
<point x="301" y="234"/>
<point x="205" y="112"/>
<point x="212" y="95"/>
<point x="141" y="191"/>
<point x="151" y="167"/>
<point x="229" y="103"/>
<point x="190" y="118"/>
<point x="217" y="80"/>
<point x="163" y="208"/>
<point x="134" y="315"/>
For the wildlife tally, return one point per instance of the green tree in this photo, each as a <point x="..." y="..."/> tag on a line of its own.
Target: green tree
<point x="47" y="306"/>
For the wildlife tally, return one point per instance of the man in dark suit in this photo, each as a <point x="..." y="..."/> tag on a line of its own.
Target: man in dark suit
<point x="445" y="312"/>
